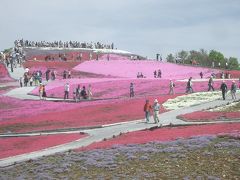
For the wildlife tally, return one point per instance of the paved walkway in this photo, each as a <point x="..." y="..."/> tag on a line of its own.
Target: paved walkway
<point x="107" y="131"/>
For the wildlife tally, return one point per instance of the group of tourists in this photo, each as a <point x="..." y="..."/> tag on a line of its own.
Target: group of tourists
<point x="66" y="74"/>
<point x="30" y="78"/>
<point x="157" y="73"/>
<point x="140" y="75"/>
<point x="78" y="93"/>
<point x="155" y="108"/>
<point x="62" y="44"/>
<point x="233" y="90"/>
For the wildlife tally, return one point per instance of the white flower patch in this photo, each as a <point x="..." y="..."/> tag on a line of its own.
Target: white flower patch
<point x="191" y="100"/>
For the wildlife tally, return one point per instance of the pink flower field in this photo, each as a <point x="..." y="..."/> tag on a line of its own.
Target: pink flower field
<point x="105" y="88"/>
<point x="210" y="116"/>
<point x="4" y="75"/>
<point x="165" y="134"/>
<point x="19" y="145"/>
<point x="40" y="115"/>
<point x="129" y="69"/>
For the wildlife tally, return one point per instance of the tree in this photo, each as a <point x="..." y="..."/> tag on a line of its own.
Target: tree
<point x="183" y="55"/>
<point x="233" y="63"/>
<point x="217" y="58"/>
<point x="170" y="58"/>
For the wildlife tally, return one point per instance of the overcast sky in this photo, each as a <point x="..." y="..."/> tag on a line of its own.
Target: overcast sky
<point x="145" y="27"/>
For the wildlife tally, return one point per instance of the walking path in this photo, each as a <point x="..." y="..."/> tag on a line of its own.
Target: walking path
<point x="105" y="132"/>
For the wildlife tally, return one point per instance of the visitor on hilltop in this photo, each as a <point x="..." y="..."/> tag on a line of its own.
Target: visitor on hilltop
<point x="90" y="56"/>
<point x="239" y="83"/>
<point x="171" y="87"/>
<point x="25" y="79"/>
<point x="77" y="93"/>
<point x="147" y="109"/>
<point x="159" y="73"/>
<point x="47" y="74"/>
<point x="53" y="75"/>
<point x="224" y="88"/>
<point x="210" y="84"/>
<point x="69" y="74"/>
<point x="84" y="93"/>
<point x="66" y="91"/>
<point x="222" y="75"/>
<point x="201" y="74"/>
<point x="31" y="80"/>
<point x="108" y="57"/>
<point x="155" y="74"/>
<point x="64" y="74"/>
<point x="26" y="70"/>
<point x="21" y="81"/>
<point x="89" y="92"/>
<point x="40" y="91"/>
<point x="189" y="88"/>
<point x="44" y="94"/>
<point x="131" y="90"/>
<point x="156" y="108"/>
<point x="233" y="90"/>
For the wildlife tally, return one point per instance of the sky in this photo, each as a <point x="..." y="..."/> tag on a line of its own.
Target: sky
<point x="145" y="27"/>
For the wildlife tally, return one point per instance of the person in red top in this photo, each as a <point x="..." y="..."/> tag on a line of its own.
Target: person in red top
<point x="147" y="109"/>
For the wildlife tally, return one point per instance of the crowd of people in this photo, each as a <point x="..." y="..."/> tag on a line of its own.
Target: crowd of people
<point x="13" y="58"/>
<point x="78" y="93"/>
<point x="62" y="44"/>
<point x="35" y="78"/>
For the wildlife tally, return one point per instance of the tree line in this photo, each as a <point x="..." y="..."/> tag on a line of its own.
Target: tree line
<point x="203" y="58"/>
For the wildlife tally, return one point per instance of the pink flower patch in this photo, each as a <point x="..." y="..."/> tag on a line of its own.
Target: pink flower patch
<point x="69" y="115"/>
<point x="164" y="134"/>
<point x="20" y="145"/>
<point x="209" y="116"/>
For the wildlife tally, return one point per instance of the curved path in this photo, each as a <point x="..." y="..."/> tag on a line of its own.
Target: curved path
<point x="105" y="132"/>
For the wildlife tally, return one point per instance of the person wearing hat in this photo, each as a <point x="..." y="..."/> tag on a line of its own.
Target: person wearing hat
<point x="233" y="90"/>
<point x="156" y="108"/>
<point x="224" y="89"/>
<point x="147" y="109"/>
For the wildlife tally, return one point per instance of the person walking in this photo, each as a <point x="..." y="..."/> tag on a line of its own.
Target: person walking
<point x="224" y="89"/>
<point x="171" y="87"/>
<point x="233" y="90"/>
<point x="40" y="90"/>
<point x="31" y="80"/>
<point x="189" y="86"/>
<point x="210" y="84"/>
<point x="147" y="109"/>
<point x="89" y="92"/>
<point x="131" y="90"/>
<point x="21" y="81"/>
<point x="44" y="94"/>
<point x="159" y="73"/>
<point x="84" y="93"/>
<point x="201" y="74"/>
<point x="156" y="108"/>
<point x="66" y="91"/>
